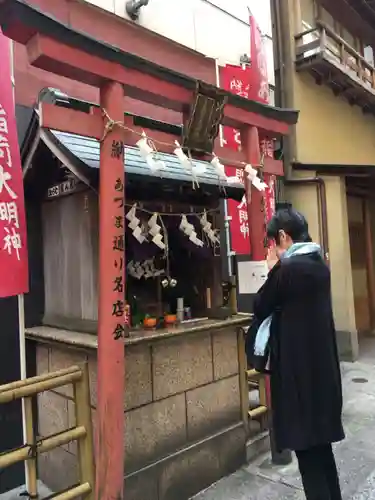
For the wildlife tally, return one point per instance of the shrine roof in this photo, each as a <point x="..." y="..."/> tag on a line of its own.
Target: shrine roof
<point x="81" y="155"/>
<point x="21" y="22"/>
<point x="87" y="150"/>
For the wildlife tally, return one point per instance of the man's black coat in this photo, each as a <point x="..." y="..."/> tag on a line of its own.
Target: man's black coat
<point x="305" y="372"/>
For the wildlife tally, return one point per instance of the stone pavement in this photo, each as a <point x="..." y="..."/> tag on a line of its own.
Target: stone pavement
<point x="18" y="493"/>
<point x="355" y="456"/>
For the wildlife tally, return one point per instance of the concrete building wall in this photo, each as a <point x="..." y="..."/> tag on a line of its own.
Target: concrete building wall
<point x="340" y="264"/>
<point x="329" y="131"/>
<point x="304" y="198"/>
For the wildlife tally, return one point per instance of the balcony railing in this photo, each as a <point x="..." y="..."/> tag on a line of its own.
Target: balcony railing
<point x="332" y="61"/>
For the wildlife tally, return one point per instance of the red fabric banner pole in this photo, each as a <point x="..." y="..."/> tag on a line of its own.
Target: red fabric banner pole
<point x="13" y="242"/>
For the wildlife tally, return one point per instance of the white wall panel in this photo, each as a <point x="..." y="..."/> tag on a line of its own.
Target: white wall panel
<point x="104" y="4"/>
<point x="216" y="28"/>
<point x="268" y="47"/>
<point x="261" y="9"/>
<point x="219" y="35"/>
<point x="236" y="8"/>
<point x="173" y="19"/>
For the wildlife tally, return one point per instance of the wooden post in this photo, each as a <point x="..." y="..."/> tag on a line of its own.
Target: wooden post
<point x="31" y="464"/>
<point x="85" y="448"/>
<point x="111" y="331"/>
<point x="250" y="144"/>
<point x="244" y="387"/>
<point x="369" y="261"/>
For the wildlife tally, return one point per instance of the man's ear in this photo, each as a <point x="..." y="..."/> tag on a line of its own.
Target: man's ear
<point x="282" y="235"/>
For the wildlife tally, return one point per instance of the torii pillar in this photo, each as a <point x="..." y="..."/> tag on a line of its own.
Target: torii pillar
<point x="254" y="197"/>
<point x="111" y="359"/>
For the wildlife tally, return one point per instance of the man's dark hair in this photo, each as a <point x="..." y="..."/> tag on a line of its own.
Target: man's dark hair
<point x="290" y="221"/>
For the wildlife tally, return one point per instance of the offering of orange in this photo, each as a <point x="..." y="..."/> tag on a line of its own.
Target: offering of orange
<point x="149" y="322"/>
<point x="170" y="319"/>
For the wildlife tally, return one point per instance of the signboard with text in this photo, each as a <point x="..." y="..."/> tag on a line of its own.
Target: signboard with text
<point x="13" y="243"/>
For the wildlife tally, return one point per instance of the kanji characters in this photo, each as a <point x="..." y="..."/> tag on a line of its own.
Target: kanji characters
<point x="242" y="215"/>
<point x="119" y="243"/>
<point x="119" y="332"/>
<point x="119" y="222"/>
<point x="244" y="228"/>
<point x="4" y="178"/>
<point x="117" y="149"/>
<point x="12" y="241"/>
<point x="119" y="185"/>
<point x="5" y="150"/>
<point x="240" y="174"/>
<point x="266" y="147"/>
<point x="3" y="125"/>
<point x="264" y="90"/>
<point x="9" y="213"/>
<point x="119" y="201"/>
<point x="118" y="308"/>
<point x="238" y="87"/>
<point x="119" y="264"/>
<point x="118" y="284"/>
<point x="243" y="203"/>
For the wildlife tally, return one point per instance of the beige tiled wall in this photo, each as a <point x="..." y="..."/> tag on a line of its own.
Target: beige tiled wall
<point x="176" y="393"/>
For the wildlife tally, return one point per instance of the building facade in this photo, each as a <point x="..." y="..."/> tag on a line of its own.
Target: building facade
<point x="214" y="28"/>
<point x="325" y="68"/>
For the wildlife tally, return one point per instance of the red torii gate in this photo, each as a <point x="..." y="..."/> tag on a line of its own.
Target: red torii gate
<point x="56" y="48"/>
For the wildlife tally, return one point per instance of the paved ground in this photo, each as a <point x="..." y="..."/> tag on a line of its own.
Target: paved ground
<point x="355" y="456"/>
<point x="17" y="494"/>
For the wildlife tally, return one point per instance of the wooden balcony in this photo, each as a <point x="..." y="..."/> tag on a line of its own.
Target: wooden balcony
<point x="333" y="62"/>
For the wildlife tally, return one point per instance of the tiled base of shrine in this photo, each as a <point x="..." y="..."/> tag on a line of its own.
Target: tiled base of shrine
<point x="182" y="408"/>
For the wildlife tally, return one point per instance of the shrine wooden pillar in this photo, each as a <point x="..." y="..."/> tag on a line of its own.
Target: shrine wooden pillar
<point x="254" y="197"/>
<point x="111" y="326"/>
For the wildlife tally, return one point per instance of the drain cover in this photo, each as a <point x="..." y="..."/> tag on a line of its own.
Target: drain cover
<point x="359" y="380"/>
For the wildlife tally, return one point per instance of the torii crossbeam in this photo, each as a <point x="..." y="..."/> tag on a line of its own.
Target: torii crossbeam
<point x="56" y="48"/>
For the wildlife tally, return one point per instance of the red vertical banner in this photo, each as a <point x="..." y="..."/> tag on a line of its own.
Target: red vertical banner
<point x="236" y="80"/>
<point x="250" y="82"/>
<point x="13" y="242"/>
<point x="260" y="92"/>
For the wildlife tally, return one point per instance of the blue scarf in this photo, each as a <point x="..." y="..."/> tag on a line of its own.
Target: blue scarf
<point x="263" y="333"/>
